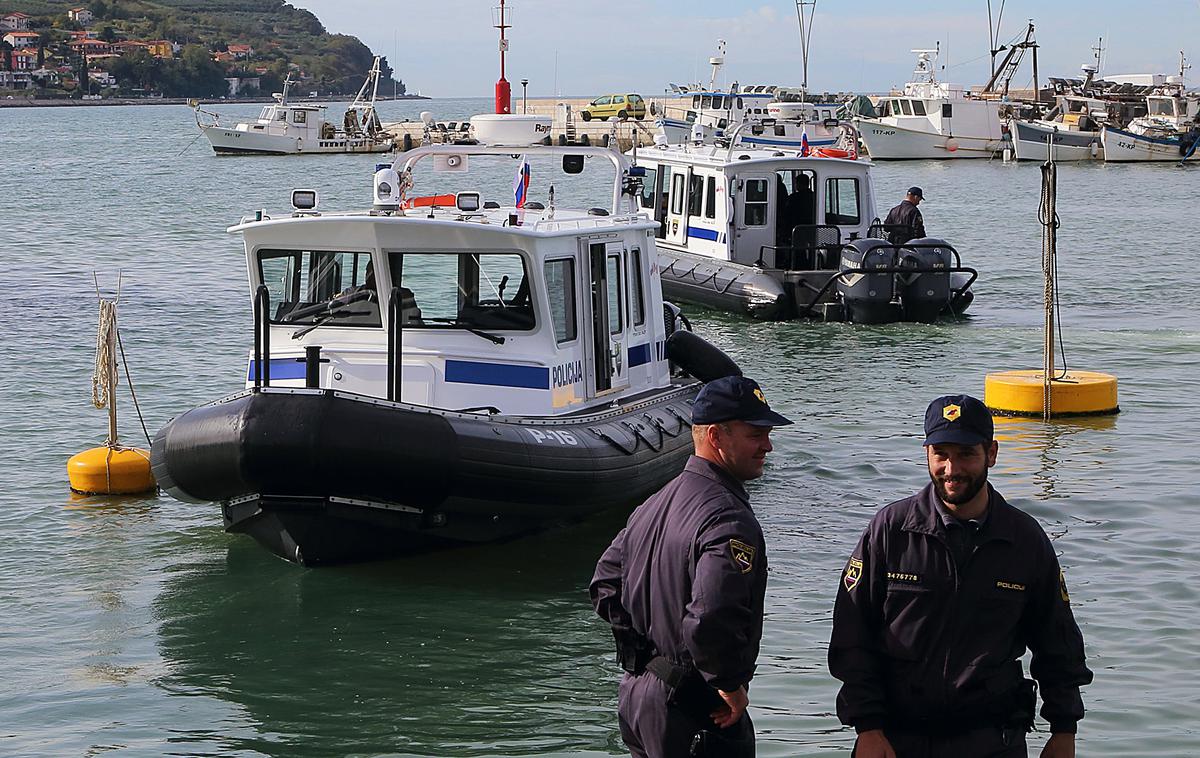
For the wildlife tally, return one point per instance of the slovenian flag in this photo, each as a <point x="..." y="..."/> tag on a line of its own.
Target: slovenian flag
<point x="804" y="144"/>
<point x="521" y="183"/>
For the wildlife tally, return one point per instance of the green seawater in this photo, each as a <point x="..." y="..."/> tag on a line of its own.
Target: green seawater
<point x="137" y="627"/>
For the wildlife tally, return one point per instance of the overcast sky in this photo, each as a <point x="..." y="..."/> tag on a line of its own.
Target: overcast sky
<point x="448" y="48"/>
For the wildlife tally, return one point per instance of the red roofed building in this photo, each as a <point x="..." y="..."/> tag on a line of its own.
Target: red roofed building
<point x="240" y="52"/>
<point x="15" y="21"/>
<point x="81" y="16"/>
<point x="21" y="39"/>
<point x="24" y="59"/>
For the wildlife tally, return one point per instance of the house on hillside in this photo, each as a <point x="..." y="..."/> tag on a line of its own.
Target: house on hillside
<point x="103" y="78"/>
<point x="78" y="34"/>
<point x="21" y="39"/>
<point x="243" y="85"/>
<point x="240" y="52"/>
<point x="15" y="80"/>
<point x="161" y="48"/>
<point x="14" y="22"/>
<point x="81" y="16"/>
<point x="24" y="59"/>
<point x="91" y="47"/>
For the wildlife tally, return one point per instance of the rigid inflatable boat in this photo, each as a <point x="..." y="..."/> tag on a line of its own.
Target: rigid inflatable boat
<point x="457" y="374"/>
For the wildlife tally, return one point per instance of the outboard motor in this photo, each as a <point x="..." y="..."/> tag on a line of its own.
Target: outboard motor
<point x="868" y="297"/>
<point x="925" y="293"/>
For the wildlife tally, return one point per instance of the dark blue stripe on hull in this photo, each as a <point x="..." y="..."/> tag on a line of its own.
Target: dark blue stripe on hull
<point x="498" y="374"/>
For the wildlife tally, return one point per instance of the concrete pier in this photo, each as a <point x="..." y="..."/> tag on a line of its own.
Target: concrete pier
<point x="567" y="122"/>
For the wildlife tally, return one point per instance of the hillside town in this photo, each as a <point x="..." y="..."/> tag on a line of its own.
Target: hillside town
<point x="87" y="53"/>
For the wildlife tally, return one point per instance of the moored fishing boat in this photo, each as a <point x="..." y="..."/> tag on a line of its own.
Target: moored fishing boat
<point x="457" y="373"/>
<point x="1170" y="130"/>
<point x="286" y="128"/>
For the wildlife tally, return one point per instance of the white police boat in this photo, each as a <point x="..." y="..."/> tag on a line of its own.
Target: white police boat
<point x="781" y="234"/>
<point x="444" y="369"/>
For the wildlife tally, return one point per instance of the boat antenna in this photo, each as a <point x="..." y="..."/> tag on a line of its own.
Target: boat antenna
<point x="716" y="62"/>
<point x="500" y="19"/>
<point x="805" y="35"/>
<point x="1098" y="54"/>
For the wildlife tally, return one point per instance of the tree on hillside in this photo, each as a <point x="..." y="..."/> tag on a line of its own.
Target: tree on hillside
<point x="107" y="33"/>
<point x="5" y="56"/>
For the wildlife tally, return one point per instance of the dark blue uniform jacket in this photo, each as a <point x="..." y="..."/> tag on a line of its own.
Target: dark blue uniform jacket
<point x="918" y="641"/>
<point x="689" y="572"/>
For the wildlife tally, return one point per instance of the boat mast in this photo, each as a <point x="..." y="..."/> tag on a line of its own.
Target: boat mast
<point x="994" y="34"/>
<point x="500" y="19"/>
<point x="805" y="36"/>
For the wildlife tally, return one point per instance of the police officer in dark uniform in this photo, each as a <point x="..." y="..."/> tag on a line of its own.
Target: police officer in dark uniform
<point x="905" y="221"/>
<point x="941" y="597"/>
<point x="683" y="585"/>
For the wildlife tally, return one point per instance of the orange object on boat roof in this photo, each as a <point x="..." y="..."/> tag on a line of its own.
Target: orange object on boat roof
<point x="431" y="200"/>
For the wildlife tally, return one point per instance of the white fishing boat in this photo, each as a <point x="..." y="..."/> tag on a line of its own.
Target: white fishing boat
<point x="1168" y="132"/>
<point x="932" y="119"/>
<point x="1082" y="107"/>
<point x="287" y="128"/>
<point x="787" y="118"/>
<point x="448" y="368"/>
<point x="776" y="235"/>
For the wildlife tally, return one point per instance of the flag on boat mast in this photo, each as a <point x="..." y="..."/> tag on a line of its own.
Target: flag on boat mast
<point x="521" y="183"/>
<point x="804" y="144"/>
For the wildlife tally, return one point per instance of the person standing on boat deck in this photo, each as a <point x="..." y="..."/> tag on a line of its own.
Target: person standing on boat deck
<point x="683" y="584"/>
<point x="941" y="597"/>
<point x="906" y="214"/>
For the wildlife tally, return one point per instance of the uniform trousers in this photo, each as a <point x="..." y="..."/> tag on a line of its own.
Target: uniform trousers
<point x="653" y="728"/>
<point x="988" y="742"/>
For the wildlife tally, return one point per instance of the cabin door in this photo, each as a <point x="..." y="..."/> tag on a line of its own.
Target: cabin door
<point x="608" y="363"/>
<point x="754" y="220"/>
<point x="677" y="207"/>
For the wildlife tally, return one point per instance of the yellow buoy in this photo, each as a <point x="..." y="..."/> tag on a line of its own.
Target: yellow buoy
<point x="1077" y="393"/>
<point x="110" y="471"/>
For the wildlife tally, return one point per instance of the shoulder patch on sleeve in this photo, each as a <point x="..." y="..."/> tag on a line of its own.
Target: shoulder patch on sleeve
<point x="743" y="555"/>
<point x="1062" y="587"/>
<point x="853" y="574"/>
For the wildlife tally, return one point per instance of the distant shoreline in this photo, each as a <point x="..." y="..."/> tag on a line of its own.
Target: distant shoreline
<point x="69" y="102"/>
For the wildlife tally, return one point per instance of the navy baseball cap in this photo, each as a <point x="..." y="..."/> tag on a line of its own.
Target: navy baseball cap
<point x="958" y="419"/>
<point x="734" y="398"/>
<point x="916" y="192"/>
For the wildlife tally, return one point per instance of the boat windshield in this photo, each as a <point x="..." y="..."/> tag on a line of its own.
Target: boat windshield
<point x="1161" y="106"/>
<point x="320" y="287"/>
<point x="483" y="291"/>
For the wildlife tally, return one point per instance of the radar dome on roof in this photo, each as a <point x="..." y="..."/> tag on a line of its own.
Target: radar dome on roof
<point x="505" y="129"/>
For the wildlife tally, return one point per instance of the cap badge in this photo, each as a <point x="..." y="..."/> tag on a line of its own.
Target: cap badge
<point x="853" y="574"/>
<point x="761" y="397"/>
<point x="951" y="412"/>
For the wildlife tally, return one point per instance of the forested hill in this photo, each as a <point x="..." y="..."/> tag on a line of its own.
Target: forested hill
<point x="250" y="38"/>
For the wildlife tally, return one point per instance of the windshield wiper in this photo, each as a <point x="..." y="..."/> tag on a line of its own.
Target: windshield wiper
<point x="327" y="317"/>
<point x="495" y="338"/>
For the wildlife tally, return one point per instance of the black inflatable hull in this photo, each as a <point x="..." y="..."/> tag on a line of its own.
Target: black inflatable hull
<point x="323" y="477"/>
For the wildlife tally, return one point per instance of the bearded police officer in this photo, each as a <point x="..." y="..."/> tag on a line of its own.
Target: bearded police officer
<point x="683" y="585"/>
<point x="940" y="599"/>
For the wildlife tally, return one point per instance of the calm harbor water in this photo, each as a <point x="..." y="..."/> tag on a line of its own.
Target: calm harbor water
<point x="138" y="627"/>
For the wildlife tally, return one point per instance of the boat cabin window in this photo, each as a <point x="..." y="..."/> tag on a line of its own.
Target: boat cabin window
<point x="947" y="110"/>
<point x="918" y="107"/>
<point x="613" y="276"/>
<point x="841" y="202"/>
<point x="637" y="301"/>
<point x="796" y="204"/>
<point x="677" y="195"/>
<point x="281" y="116"/>
<point x="740" y="105"/>
<point x="906" y="107"/>
<point x="560" y="290"/>
<point x="710" y="198"/>
<point x="695" y="195"/>
<point x="1161" y="106"/>
<point x="299" y="117"/>
<point x="646" y="196"/>
<point x="756" y="202"/>
<point x="696" y="101"/>
<point x="320" y="286"/>
<point x="464" y="290"/>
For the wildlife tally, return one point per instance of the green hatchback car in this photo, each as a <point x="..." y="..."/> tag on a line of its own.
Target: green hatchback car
<point x="621" y="106"/>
